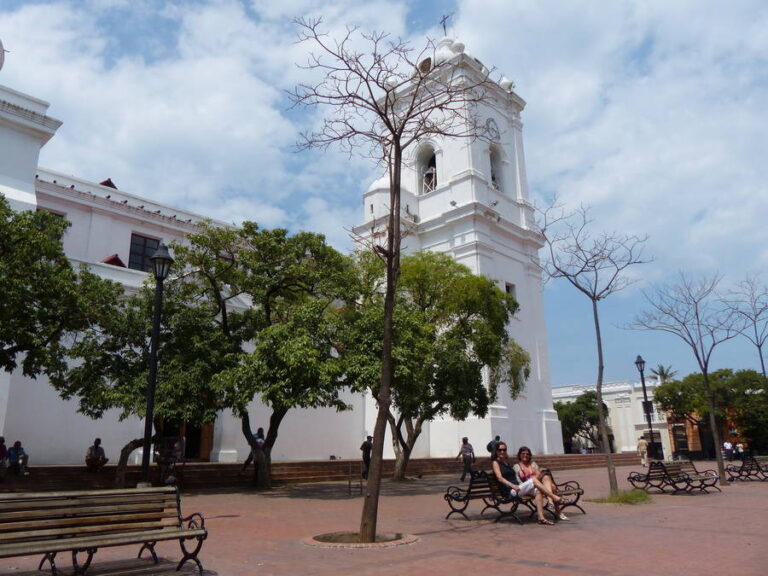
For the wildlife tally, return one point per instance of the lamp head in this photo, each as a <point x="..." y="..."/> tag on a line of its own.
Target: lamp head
<point x="161" y="262"/>
<point x="640" y="363"/>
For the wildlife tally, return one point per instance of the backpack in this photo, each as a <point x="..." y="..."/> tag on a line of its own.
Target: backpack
<point x="490" y="446"/>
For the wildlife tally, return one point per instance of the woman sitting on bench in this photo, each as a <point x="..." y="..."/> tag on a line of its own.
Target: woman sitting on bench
<point x="531" y="487"/>
<point x="527" y="468"/>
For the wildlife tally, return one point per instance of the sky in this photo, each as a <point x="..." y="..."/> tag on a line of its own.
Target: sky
<point x="652" y="113"/>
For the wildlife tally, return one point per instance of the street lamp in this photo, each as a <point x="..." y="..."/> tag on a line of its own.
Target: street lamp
<point x="161" y="266"/>
<point x="647" y="407"/>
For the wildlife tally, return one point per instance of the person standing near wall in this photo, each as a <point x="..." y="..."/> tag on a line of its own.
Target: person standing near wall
<point x="642" y="451"/>
<point x="467" y="454"/>
<point x="366" y="447"/>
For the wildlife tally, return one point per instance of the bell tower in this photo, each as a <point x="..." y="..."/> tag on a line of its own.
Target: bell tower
<point x="24" y="129"/>
<point x="469" y="197"/>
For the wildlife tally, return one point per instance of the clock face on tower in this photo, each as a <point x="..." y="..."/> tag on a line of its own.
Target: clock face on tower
<point x="492" y="129"/>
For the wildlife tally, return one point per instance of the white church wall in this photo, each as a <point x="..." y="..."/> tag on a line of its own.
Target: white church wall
<point x="52" y="430"/>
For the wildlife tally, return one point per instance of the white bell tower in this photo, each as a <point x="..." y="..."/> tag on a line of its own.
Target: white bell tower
<point x="24" y="129"/>
<point x="469" y="198"/>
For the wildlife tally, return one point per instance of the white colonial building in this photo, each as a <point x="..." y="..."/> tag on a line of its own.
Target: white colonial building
<point x="626" y="418"/>
<point x="467" y="198"/>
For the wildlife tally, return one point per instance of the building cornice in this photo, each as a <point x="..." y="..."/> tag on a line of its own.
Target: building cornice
<point x="109" y="199"/>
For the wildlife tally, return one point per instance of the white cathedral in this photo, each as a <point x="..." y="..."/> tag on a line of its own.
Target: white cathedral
<point x="468" y="198"/>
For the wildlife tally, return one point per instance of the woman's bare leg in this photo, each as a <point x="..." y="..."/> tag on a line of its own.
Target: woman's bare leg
<point x="542" y="488"/>
<point x="550" y="485"/>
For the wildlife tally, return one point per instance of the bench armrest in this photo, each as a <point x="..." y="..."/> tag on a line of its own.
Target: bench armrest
<point x="194" y="520"/>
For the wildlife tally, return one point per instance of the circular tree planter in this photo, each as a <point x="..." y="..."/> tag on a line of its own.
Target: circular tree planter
<point x="350" y="540"/>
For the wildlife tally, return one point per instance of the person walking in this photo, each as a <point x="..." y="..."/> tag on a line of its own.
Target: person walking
<point x="366" y="447"/>
<point x="728" y="450"/>
<point x="467" y="454"/>
<point x="642" y="451"/>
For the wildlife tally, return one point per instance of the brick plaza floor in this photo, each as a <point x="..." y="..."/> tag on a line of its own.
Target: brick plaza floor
<point x="264" y="534"/>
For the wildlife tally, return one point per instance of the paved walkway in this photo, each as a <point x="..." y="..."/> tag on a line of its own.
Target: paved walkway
<point x="264" y="534"/>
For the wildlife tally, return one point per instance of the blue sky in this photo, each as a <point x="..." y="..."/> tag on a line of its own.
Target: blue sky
<point x="652" y="113"/>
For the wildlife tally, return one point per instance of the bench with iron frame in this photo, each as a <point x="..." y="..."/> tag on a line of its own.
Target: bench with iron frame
<point x="677" y="476"/>
<point x="485" y="486"/>
<point x="751" y="468"/>
<point x="47" y="523"/>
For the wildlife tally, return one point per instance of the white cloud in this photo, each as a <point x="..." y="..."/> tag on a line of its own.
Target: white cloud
<point x="652" y="112"/>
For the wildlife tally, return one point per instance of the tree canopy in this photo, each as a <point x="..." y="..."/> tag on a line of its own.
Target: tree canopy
<point x="449" y="325"/>
<point x="248" y="314"/>
<point x="579" y="419"/>
<point x="45" y="301"/>
<point x="741" y="397"/>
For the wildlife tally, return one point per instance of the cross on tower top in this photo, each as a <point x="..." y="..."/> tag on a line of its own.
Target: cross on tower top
<point x="443" y="21"/>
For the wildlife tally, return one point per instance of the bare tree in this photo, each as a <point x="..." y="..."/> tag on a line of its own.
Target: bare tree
<point x="691" y="310"/>
<point x="379" y="100"/>
<point x="595" y="266"/>
<point x="749" y="301"/>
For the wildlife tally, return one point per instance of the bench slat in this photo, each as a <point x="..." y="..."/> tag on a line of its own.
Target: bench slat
<point x="61" y="545"/>
<point x="38" y="513"/>
<point x="47" y="523"/>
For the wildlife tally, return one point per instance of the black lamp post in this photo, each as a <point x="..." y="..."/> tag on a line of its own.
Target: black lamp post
<point x="161" y="266"/>
<point x="647" y="407"/>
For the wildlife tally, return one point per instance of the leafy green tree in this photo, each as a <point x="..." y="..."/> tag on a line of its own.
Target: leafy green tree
<point x="247" y="315"/>
<point x="278" y="293"/>
<point x="449" y="325"/>
<point x="749" y="407"/>
<point x="44" y="300"/>
<point x="579" y="419"/>
<point x="739" y="396"/>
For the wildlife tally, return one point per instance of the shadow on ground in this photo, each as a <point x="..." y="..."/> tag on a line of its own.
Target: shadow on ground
<point x="344" y="490"/>
<point x="130" y="567"/>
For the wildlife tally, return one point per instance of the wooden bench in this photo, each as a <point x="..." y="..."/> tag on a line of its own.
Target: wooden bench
<point x="47" y="523"/>
<point x="677" y="476"/>
<point x="485" y="486"/>
<point x="751" y="468"/>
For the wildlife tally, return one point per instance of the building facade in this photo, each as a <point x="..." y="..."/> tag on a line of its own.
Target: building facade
<point x="626" y="418"/>
<point x="468" y="198"/>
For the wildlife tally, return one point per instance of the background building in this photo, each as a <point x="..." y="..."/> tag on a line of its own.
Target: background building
<point x="626" y="418"/>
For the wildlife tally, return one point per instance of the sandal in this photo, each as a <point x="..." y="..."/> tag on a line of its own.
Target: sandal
<point x="546" y="522"/>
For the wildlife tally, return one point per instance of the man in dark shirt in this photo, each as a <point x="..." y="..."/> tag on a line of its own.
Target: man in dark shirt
<point x="366" y="448"/>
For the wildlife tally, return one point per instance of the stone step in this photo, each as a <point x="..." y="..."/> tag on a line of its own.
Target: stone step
<point x="199" y="475"/>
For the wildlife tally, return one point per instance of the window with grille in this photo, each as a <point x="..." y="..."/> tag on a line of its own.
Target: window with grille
<point x="142" y="249"/>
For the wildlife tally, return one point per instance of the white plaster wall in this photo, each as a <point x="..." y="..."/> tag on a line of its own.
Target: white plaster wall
<point x="51" y="429"/>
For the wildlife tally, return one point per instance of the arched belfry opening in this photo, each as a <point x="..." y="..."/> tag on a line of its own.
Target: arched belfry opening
<point x="497" y="172"/>
<point x="427" y="164"/>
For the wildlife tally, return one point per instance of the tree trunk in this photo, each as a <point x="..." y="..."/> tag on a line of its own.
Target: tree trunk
<point x="602" y="425"/>
<point x="122" y="463"/>
<point x="715" y="432"/>
<point x="392" y="256"/>
<point x="403" y="446"/>
<point x="262" y="457"/>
